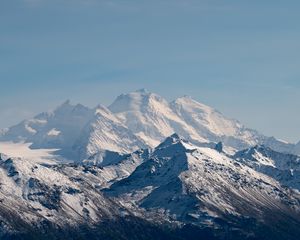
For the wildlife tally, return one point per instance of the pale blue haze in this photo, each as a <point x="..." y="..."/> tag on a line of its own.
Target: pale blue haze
<point x="241" y="57"/>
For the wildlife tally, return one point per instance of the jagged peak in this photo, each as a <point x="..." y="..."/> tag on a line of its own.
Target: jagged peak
<point x="175" y="137"/>
<point x="266" y="151"/>
<point x="172" y="140"/>
<point x="252" y="149"/>
<point x="259" y="148"/>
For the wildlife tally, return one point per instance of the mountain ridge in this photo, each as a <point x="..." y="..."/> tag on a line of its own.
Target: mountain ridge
<point x="201" y="186"/>
<point x="145" y="118"/>
<point x="169" y="188"/>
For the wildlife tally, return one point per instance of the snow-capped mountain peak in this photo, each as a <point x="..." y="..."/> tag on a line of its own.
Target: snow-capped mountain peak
<point x="145" y="118"/>
<point x="139" y="100"/>
<point x="150" y="117"/>
<point x="57" y="129"/>
<point x="173" y="139"/>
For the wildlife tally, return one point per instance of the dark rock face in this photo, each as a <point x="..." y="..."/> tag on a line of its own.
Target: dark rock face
<point x="219" y="147"/>
<point x="10" y="169"/>
<point x="45" y="195"/>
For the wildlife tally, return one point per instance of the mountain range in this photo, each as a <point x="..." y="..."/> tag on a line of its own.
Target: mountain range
<point x="136" y="120"/>
<point x="146" y="168"/>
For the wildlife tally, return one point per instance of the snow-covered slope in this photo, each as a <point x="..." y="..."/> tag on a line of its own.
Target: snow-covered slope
<point x="281" y="166"/>
<point x="56" y="129"/>
<point x="41" y="199"/>
<point x="146" y="193"/>
<point x="150" y="117"/>
<point x="212" y="125"/>
<point x="22" y="150"/>
<point x="118" y="168"/>
<point x="36" y="192"/>
<point x="105" y="132"/>
<point x="201" y="186"/>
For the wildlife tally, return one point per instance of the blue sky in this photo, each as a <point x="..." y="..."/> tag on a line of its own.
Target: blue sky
<point x="241" y="57"/>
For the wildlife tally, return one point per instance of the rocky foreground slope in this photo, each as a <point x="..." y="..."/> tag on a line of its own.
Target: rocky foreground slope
<point x="176" y="191"/>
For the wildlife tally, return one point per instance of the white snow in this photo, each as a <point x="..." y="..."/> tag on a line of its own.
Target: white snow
<point x="151" y="117"/>
<point x="106" y="132"/>
<point x="150" y="141"/>
<point x="30" y="129"/>
<point x="22" y="150"/>
<point x="53" y="132"/>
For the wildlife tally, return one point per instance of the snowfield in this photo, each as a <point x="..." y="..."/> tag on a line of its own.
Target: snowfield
<point x="23" y="150"/>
